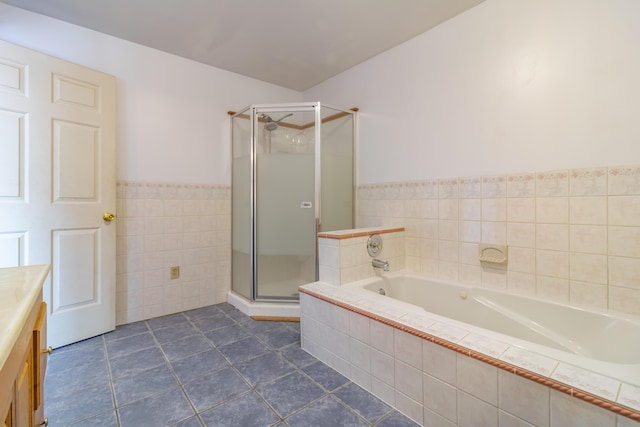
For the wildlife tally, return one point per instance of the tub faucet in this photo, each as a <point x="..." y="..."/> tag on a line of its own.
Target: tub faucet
<point x="384" y="265"/>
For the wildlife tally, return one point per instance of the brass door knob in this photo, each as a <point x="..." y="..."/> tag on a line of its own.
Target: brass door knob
<point x="108" y="216"/>
<point x="48" y="350"/>
<point x="45" y="422"/>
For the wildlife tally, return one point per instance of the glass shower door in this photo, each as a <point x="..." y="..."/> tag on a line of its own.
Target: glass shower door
<point x="285" y="198"/>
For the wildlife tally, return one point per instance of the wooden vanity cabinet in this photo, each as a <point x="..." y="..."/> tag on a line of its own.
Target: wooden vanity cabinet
<point x="22" y="376"/>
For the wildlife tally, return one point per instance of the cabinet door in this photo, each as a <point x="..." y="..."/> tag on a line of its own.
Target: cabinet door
<point x="40" y="356"/>
<point x="24" y="394"/>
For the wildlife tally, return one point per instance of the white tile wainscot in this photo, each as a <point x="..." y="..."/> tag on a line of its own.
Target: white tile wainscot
<point x="343" y="257"/>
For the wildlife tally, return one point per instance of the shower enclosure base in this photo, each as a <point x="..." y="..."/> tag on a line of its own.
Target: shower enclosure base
<point x="275" y="310"/>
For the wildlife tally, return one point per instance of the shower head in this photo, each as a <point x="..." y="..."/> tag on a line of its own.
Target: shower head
<point x="271" y="124"/>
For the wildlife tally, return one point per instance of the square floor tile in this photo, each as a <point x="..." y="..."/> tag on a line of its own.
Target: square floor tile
<point x="127" y="330"/>
<point x="84" y="403"/>
<point x="264" y="369"/>
<point x="214" y="389"/>
<point x="159" y="410"/>
<point x="59" y="383"/>
<point x="210" y="310"/>
<point x="167" y="321"/>
<point x="130" y="344"/>
<point x="132" y="363"/>
<point x="176" y="332"/>
<point x="279" y="337"/>
<point x="290" y="393"/>
<point x="198" y="365"/>
<point x="326" y="412"/>
<point x="246" y="411"/>
<point x="143" y="384"/>
<point x="296" y="355"/>
<point x="363" y="402"/>
<point x="396" y="419"/>
<point x="243" y="349"/>
<point x="213" y="322"/>
<point x="325" y="376"/>
<point x="103" y="420"/>
<point x="227" y="335"/>
<point x="77" y="356"/>
<point x="184" y="347"/>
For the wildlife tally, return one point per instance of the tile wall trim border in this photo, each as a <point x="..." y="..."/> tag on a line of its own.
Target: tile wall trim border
<point x="364" y="233"/>
<point x="548" y="382"/>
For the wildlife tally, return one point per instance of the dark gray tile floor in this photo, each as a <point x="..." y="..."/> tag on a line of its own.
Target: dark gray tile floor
<point x="212" y="366"/>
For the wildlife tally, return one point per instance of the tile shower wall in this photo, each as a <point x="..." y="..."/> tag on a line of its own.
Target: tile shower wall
<point x="161" y="225"/>
<point x="573" y="235"/>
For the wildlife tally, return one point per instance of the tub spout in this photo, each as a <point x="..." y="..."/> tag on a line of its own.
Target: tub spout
<point x="384" y="265"/>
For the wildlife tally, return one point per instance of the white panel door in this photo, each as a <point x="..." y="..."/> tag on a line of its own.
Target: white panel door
<point x="57" y="178"/>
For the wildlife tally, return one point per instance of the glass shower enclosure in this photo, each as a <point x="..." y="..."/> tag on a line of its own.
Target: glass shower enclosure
<point x="292" y="177"/>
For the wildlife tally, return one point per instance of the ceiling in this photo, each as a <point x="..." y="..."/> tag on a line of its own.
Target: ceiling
<point x="291" y="43"/>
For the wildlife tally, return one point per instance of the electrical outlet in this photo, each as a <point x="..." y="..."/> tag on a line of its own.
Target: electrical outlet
<point x="175" y="272"/>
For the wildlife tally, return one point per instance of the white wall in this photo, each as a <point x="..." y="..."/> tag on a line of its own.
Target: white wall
<point x="508" y="86"/>
<point x="172" y="112"/>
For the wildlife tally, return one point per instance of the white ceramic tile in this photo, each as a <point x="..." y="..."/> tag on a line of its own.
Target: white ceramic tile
<point x="624" y="272"/>
<point x="470" y="231"/>
<point x="429" y="229"/>
<point x="624" y="180"/>
<point x="477" y="378"/>
<point x="448" y="188"/>
<point x="624" y="300"/>
<point x="409" y="407"/>
<point x="494" y="232"/>
<point x="521" y="234"/>
<point x="521" y="283"/>
<point x="382" y="367"/>
<point x="570" y="411"/>
<point x="586" y="380"/>
<point x="494" y="186"/>
<point x="469" y="253"/>
<point x="417" y="321"/>
<point x="521" y="185"/>
<point x="470" y="209"/>
<point x="588" y="239"/>
<point x="552" y="210"/>
<point x="552" y="264"/>
<point x="474" y="412"/>
<point x="432" y="419"/>
<point x="521" y="210"/>
<point x="408" y="381"/>
<point x="448" y="230"/>
<point x="484" y="345"/>
<point x="429" y="209"/>
<point x="494" y="209"/>
<point x="383" y="391"/>
<point x="448" y="251"/>
<point x="381" y="336"/>
<point x="623" y="241"/>
<point x="360" y="355"/>
<point x="440" y="397"/>
<point x="447" y="332"/>
<point x="552" y="237"/>
<point x="530" y="361"/>
<point x="524" y="398"/>
<point x="448" y="270"/>
<point x="588" y="182"/>
<point x="624" y="210"/>
<point x="552" y="183"/>
<point x="470" y="274"/>
<point x="507" y="420"/>
<point x="552" y="288"/>
<point x="588" y="294"/>
<point x="521" y="259"/>
<point x="588" y="210"/>
<point x="439" y="362"/>
<point x="448" y="209"/>
<point x="494" y="276"/>
<point x="470" y="188"/>
<point x="408" y="348"/>
<point x="588" y="267"/>
<point x="629" y="396"/>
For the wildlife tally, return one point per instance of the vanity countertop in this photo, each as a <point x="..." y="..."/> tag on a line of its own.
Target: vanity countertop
<point x="19" y="288"/>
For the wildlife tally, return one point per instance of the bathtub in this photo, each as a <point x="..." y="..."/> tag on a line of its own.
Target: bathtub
<point x="594" y="353"/>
